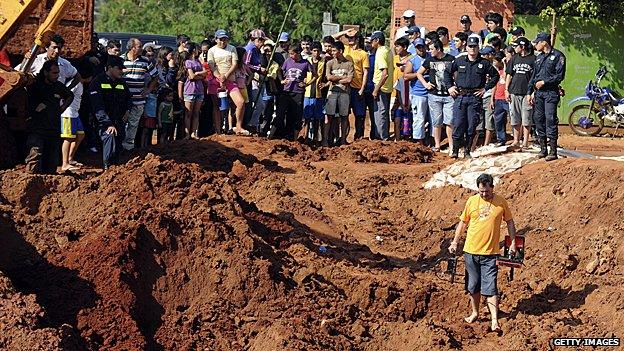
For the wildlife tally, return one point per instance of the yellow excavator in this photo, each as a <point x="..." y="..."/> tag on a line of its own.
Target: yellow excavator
<point x="13" y="13"/>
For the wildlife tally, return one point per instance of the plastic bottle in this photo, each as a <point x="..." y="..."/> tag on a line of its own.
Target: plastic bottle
<point x="224" y="102"/>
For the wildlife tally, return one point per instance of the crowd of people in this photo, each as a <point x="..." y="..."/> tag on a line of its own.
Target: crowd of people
<point x="428" y="85"/>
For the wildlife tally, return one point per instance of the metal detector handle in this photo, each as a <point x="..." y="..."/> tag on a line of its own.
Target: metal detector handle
<point x="452" y="267"/>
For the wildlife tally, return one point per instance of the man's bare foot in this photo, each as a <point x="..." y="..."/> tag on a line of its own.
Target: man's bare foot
<point x="496" y="328"/>
<point x="470" y="319"/>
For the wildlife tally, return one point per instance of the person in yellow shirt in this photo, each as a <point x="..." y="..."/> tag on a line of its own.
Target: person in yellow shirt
<point x="354" y="43"/>
<point x="382" y="78"/>
<point x="483" y="215"/>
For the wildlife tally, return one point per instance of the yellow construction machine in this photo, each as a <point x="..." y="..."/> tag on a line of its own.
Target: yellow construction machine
<point x="14" y="13"/>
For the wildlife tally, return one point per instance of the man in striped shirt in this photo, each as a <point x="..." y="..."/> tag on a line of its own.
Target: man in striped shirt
<point x="141" y="76"/>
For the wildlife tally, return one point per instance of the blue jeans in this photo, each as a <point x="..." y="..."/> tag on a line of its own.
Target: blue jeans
<point x="501" y="109"/>
<point x="370" y="106"/>
<point x="481" y="274"/>
<point x="419" y="113"/>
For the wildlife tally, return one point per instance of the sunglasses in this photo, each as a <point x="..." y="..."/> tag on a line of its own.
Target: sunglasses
<point x="473" y="46"/>
<point x="350" y="37"/>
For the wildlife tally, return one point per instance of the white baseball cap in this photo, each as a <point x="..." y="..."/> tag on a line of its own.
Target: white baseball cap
<point x="409" y="13"/>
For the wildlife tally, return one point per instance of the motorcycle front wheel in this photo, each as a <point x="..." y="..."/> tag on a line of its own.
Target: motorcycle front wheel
<point x="585" y="122"/>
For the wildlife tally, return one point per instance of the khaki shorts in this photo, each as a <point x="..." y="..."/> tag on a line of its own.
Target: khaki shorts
<point x="520" y="111"/>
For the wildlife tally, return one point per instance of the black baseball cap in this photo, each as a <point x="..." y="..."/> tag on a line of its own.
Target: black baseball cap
<point x="465" y="19"/>
<point x="541" y="36"/>
<point x="522" y="41"/>
<point x="115" y="61"/>
<point x="517" y="30"/>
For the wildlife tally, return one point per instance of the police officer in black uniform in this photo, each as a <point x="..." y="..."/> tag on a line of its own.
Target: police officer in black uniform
<point x="111" y="101"/>
<point x="543" y="92"/>
<point x="469" y="77"/>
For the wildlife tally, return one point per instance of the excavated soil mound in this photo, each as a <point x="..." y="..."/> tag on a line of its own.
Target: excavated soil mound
<point x="8" y="153"/>
<point x="359" y="151"/>
<point x="158" y="255"/>
<point x="208" y="247"/>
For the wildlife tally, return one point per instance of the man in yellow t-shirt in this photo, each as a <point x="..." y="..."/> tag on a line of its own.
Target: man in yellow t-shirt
<point x="354" y="43"/>
<point x="382" y="78"/>
<point x="483" y="215"/>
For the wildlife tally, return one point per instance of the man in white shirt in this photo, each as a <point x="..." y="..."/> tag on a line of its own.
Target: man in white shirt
<point x="409" y="17"/>
<point x="68" y="74"/>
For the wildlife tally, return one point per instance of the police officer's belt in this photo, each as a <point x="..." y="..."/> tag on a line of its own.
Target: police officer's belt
<point x="464" y="91"/>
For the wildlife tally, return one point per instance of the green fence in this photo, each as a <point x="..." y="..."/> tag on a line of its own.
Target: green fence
<point x="587" y="44"/>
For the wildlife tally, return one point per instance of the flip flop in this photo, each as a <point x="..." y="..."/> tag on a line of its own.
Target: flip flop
<point x="70" y="169"/>
<point x="243" y="132"/>
<point x="76" y="163"/>
<point x="470" y="322"/>
<point x="498" y="330"/>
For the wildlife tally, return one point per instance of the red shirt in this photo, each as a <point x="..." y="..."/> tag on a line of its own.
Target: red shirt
<point x="4" y="58"/>
<point x="500" y="86"/>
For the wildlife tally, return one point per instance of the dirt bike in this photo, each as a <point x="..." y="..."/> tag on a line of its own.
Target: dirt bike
<point x="599" y="104"/>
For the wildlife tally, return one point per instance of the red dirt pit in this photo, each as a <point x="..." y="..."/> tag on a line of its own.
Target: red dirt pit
<point x="233" y="243"/>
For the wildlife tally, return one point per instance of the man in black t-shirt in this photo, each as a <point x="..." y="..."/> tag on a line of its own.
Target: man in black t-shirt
<point x="439" y="100"/>
<point x="44" y="121"/>
<point x="519" y="72"/>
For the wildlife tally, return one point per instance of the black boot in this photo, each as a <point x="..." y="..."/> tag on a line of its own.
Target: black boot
<point x="272" y="133"/>
<point x="552" y="155"/>
<point x="467" y="152"/>
<point x="455" y="153"/>
<point x="543" y="150"/>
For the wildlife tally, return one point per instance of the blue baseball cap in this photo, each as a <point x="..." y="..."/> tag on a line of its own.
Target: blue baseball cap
<point x="487" y="50"/>
<point x="221" y="33"/>
<point x="413" y="29"/>
<point x="377" y="35"/>
<point x="284" y="37"/>
<point x="542" y="36"/>
<point x="419" y="41"/>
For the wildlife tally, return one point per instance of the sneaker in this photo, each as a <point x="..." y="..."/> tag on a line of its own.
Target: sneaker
<point x="94" y="149"/>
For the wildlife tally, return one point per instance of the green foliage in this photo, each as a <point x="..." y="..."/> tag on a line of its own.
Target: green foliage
<point x="609" y="10"/>
<point x="197" y="18"/>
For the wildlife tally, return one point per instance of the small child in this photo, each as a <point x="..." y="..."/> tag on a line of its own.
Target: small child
<point x="149" y="121"/>
<point x="165" y="116"/>
<point x="499" y="101"/>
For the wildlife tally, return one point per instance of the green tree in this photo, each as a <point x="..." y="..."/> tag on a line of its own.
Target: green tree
<point x="198" y="18"/>
<point x="609" y="10"/>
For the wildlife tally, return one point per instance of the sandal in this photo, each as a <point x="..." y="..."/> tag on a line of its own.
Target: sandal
<point x="76" y="164"/>
<point x="498" y="330"/>
<point x="243" y="132"/>
<point x="69" y="169"/>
